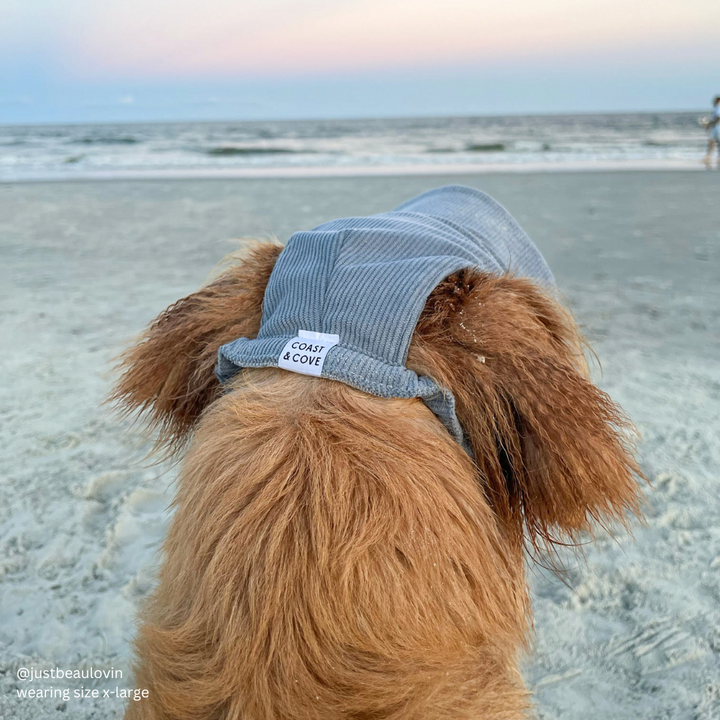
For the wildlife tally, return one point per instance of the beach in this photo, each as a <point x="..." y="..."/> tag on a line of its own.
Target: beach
<point x="631" y="631"/>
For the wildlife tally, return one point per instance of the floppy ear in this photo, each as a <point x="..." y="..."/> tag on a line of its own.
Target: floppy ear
<point x="555" y="452"/>
<point x="169" y="375"/>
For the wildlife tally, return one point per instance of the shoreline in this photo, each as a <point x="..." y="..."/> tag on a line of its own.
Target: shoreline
<point x="361" y="171"/>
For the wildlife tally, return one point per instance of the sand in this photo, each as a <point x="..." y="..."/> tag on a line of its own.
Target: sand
<point x="633" y="632"/>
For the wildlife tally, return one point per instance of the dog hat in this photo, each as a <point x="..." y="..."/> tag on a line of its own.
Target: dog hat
<point x="344" y="298"/>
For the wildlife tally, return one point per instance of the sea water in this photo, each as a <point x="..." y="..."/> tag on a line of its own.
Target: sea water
<point x="641" y="140"/>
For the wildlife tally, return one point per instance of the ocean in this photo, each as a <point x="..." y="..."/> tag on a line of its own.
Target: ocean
<point x="307" y="147"/>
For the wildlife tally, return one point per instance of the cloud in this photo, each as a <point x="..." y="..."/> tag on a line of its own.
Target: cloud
<point x="22" y="101"/>
<point x="222" y="38"/>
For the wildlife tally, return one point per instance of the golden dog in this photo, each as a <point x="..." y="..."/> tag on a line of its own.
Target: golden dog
<point x="338" y="556"/>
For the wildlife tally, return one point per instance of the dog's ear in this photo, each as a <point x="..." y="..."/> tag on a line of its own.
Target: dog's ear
<point x="169" y="375"/>
<point x="555" y="452"/>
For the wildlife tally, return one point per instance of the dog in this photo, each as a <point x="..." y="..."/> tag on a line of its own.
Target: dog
<point x="340" y="553"/>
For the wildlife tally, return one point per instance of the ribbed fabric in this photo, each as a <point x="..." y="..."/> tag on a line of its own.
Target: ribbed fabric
<point x="366" y="279"/>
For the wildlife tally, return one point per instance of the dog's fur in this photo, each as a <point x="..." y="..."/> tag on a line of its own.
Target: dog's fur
<point x="337" y="556"/>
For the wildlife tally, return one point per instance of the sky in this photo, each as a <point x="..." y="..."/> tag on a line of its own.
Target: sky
<point x="154" y="60"/>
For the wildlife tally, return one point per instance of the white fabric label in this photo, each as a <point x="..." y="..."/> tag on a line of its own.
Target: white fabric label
<point x="306" y="353"/>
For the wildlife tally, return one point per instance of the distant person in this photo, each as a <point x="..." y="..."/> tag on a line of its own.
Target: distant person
<point x="712" y="125"/>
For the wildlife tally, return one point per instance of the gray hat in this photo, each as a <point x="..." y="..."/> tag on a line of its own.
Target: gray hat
<point x="344" y="298"/>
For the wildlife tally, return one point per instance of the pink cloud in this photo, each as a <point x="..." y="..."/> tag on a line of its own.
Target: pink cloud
<point x="219" y="38"/>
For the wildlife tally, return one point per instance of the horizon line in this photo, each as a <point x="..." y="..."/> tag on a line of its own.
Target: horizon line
<point x="429" y="116"/>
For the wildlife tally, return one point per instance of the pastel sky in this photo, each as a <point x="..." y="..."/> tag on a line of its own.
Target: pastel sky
<point x="106" y="60"/>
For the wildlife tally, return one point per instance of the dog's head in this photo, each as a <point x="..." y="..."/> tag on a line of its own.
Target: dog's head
<point x="552" y="452"/>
